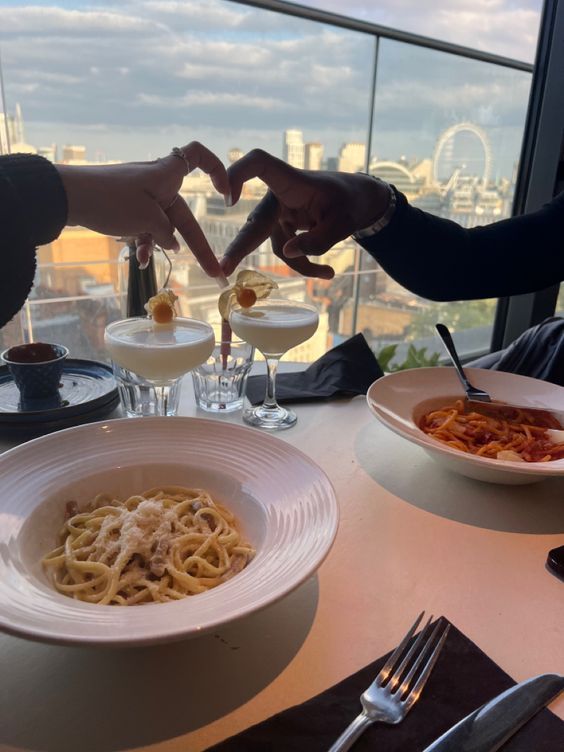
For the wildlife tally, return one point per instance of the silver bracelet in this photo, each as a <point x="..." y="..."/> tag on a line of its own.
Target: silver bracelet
<point x="384" y="220"/>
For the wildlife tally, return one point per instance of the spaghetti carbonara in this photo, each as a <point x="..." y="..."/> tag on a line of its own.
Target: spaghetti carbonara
<point x="500" y="433"/>
<point x="162" y="545"/>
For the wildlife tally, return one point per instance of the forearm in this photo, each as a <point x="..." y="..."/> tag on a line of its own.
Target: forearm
<point x="440" y="260"/>
<point x="32" y="211"/>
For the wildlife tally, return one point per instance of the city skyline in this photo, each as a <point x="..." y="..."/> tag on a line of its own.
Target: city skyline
<point x="448" y="162"/>
<point x="229" y="75"/>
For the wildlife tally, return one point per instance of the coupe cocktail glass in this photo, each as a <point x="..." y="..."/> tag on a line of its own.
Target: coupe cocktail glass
<point x="149" y="360"/>
<point x="273" y="327"/>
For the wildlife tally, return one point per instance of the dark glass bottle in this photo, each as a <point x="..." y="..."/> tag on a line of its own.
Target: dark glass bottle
<point x="136" y="285"/>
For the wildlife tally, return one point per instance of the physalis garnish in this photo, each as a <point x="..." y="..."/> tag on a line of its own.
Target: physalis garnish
<point x="249" y="287"/>
<point x="161" y="306"/>
<point x="246" y="297"/>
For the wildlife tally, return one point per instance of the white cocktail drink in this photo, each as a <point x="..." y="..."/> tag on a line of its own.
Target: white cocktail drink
<point x="159" y="352"/>
<point x="150" y="358"/>
<point x="273" y="327"/>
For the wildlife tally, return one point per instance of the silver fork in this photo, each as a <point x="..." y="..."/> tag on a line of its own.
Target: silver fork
<point x="472" y="392"/>
<point x="392" y="694"/>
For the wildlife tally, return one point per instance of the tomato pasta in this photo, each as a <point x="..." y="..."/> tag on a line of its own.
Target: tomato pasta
<point x="497" y="432"/>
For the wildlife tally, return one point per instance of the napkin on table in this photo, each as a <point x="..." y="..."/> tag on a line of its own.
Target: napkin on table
<point x="345" y="371"/>
<point x="463" y="679"/>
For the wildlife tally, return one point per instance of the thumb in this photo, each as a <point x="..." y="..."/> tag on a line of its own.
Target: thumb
<point x="318" y="240"/>
<point x="162" y="229"/>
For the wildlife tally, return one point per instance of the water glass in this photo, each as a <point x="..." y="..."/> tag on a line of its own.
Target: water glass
<point x="220" y="382"/>
<point x="142" y="397"/>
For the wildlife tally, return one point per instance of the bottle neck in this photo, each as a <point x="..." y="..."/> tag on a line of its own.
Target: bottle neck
<point x="141" y="284"/>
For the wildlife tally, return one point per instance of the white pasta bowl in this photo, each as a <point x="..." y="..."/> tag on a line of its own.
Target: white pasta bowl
<point x="284" y="503"/>
<point x="400" y="399"/>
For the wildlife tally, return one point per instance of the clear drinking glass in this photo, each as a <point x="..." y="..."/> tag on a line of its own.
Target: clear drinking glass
<point x="273" y="327"/>
<point x="220" y="382"/>
<point x="149" y="360"/>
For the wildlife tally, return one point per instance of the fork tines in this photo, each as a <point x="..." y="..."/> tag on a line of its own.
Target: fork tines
<point x="425" y="648"/>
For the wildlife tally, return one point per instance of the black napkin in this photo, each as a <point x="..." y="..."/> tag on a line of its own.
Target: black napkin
<point x="463" y="679"/>
<point x="344" y="371"/>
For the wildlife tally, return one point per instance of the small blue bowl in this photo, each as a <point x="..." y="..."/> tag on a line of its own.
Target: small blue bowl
<point x="37" y="380"/>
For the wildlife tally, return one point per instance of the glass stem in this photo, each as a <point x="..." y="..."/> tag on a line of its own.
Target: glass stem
<point x="162" y="398"/>
<point x="270" y="396"/>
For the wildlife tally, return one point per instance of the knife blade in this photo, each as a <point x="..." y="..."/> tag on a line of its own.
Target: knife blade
<point x="489" y="727"/>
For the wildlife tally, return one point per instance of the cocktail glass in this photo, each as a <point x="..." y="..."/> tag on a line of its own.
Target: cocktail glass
<point x="150" y="359"/>
<point x="273" y="327"/>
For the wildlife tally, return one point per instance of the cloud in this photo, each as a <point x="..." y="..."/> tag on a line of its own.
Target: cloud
<point x="210" y="69"/>
<point x="30" y="20"/>
<point x="50" y="77"/>
<point x="208" y="98"/>
<point x="504" y="27"/>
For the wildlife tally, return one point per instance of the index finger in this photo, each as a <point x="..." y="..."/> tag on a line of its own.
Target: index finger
<point x="256" y="230"/>
<point x="182" y="218"/>
<point x="200" y="156"/>
<point x="302" y="265"/>
<point x="277" y="175"/>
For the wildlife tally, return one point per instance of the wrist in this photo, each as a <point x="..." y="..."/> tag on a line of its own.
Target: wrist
<point x="380" y="204"/>
<point x="72" y="179"/>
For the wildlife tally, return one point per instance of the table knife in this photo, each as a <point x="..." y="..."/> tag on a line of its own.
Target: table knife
<point x="489" y="727"/>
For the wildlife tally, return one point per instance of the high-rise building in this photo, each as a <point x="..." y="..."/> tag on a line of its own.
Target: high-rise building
<point x="234" y="154"/>
<point x="293" y="152"/>
<point x="49" y="152"/>
<point x="11" y="131"/>
<point x="313" y="156"/>
<point x="74" y="153"/>
<point x="352" y="157"/>
<point x="19" y="136"/>
<point x="5" y="133"/>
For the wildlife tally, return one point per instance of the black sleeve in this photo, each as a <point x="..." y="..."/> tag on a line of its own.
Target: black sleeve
<point x="440" y="260"/>
<point x="33" y="210"/>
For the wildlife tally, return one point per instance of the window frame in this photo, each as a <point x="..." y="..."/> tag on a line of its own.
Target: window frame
<point x="533" y="188"/>
<point x="540" y="166"/>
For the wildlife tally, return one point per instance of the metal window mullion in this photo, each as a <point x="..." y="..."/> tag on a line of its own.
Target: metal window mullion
<point x="385" y="32"/>
<point x="538" y="166"/>
<point x="28" y="325"/>
<point x="358" y="253"/>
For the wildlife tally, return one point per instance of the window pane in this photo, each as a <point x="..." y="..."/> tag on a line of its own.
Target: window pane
<point x="505" y="28"/>
<point x="111" y="82"/>
<point x="447" y="132"/>
<point x="82" y="87"/>
<point x="560" y="302"/>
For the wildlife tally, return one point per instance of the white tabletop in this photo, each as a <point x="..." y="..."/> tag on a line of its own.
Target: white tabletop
<point x="412" y="536"/>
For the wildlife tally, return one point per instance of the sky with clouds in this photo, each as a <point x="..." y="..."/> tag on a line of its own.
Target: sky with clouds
<point x="130" y="79"/>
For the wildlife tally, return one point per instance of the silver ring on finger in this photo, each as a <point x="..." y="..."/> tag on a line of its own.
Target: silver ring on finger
<point x="176" y="151"/>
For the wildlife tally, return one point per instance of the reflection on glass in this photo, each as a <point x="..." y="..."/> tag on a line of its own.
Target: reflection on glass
<point x="456" y="160"/>
<point x="500" y="28"/>
<point x="447" y="132"/>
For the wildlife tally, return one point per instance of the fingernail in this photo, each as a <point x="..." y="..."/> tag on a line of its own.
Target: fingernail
<point x="222" y="280"/>
<point x="175" y="245"/>
<point x="144" y="265"/>
<point x="228" y="199"/>
<point x="293" y="253"/>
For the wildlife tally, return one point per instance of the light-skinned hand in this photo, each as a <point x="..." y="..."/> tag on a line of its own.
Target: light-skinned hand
<point x="141" y="199"/>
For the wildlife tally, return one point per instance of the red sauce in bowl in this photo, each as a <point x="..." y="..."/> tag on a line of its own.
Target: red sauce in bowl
<point x="34" y="352"/>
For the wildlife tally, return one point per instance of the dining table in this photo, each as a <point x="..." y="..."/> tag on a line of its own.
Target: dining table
<point x="412" y="536"/>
